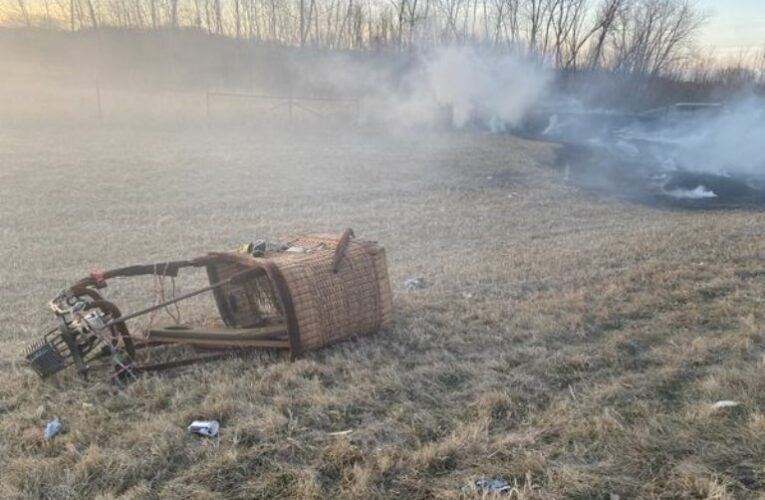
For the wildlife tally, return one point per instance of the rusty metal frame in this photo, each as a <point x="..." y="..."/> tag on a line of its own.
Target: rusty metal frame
<point x="88" y="287"/>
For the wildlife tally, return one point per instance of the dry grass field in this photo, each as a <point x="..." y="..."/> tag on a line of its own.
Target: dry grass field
<point x="572" y="344"/>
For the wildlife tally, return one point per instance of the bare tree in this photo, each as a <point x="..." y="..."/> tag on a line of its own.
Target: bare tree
<point x="534" y="18"/>
<point x="644" y="36"/>
<point x="608" y="12"/>
<point x="651" y="35"/>
<point x="506" y="21"/>
<point x="567" y="17"/>
<point x="24" y="13"/>
<point x="451" y="11"/>
<point x="172" y="12"/>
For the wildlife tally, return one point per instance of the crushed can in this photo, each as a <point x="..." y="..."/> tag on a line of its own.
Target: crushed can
<point x="207" y="428"/>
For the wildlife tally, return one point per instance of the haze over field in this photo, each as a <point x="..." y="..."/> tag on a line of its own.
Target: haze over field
<point x="570" y="195"/>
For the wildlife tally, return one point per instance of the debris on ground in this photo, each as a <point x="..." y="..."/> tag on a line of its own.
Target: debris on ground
<point x="259" y="248"/>
<point x="725" y="404"/>
<point x="207" y="428"/>
<point x="52" y="428"/>
<point x="297" y="297"/>
<point x="488" y="485"/>
<point x="416" y="283"/>
<point x="340" y="433"/>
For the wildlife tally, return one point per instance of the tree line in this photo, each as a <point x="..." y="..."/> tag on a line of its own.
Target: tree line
<point x="651" y="37"/>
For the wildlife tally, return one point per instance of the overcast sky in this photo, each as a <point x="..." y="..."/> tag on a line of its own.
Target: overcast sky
<point x="734" y="24"/>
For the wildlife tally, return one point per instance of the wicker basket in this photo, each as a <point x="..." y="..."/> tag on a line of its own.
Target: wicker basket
<point x="333" y="288"/>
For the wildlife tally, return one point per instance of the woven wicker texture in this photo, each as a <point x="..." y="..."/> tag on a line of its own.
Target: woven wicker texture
<point x="331" y="306"/>
<point x="252" y="303"/>
<point x="328" y="306"/>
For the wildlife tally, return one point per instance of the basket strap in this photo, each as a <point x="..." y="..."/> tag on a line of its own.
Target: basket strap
<point x="283" y="291"/>
<point x="98" y="279"/>
<point x="340" y="249"/>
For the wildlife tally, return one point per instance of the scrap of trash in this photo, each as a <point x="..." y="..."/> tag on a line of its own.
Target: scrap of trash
<point x="297" y="296"/>
<point x="208" y="428"/>
<point x="52" y="428"/>
<point x="725" y="404"/>
<point x="488" y="486"/>
<point x="418" y="283"/>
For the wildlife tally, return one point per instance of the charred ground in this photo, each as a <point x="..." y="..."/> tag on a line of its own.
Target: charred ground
<point x="605" y="174"/>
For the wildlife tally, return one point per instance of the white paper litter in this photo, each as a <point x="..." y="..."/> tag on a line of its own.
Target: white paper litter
<point x="725" y="404"/>
<point x="207" y="428"/>
<point x="52" y="428"/>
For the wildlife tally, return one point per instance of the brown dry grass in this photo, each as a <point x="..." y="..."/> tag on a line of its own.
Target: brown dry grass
<point x="570" y="345"/>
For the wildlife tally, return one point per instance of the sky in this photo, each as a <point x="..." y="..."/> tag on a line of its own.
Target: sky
<point x="733" y="25"/>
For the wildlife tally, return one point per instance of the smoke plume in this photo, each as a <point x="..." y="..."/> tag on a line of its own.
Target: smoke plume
<point x="692" y="151"/>
<point x="457" y="86"/>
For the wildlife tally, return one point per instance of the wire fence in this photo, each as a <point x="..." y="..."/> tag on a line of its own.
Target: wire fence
<point x="95" y="103"/>
<point x="290" y="102"/>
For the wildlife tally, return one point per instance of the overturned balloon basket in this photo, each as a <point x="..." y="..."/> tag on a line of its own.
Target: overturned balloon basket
<point x="313" y="291"/>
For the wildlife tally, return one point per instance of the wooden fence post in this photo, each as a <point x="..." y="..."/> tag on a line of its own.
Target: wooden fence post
<point x="207" y="102"/>
<point x="98" y="102"/>
<point x="289" y="104"/>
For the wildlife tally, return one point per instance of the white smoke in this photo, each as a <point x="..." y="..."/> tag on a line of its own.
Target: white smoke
<point x="732" y="142"/>
<point x="726" y="142"/>
<point x="459" y="86"/>
<point x="700" y="192"/>
<point x="497" y="90"/>
<point x="469" y="86"/>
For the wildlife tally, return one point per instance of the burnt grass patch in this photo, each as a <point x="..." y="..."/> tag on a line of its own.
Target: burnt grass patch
<point x="603" y="172"/>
